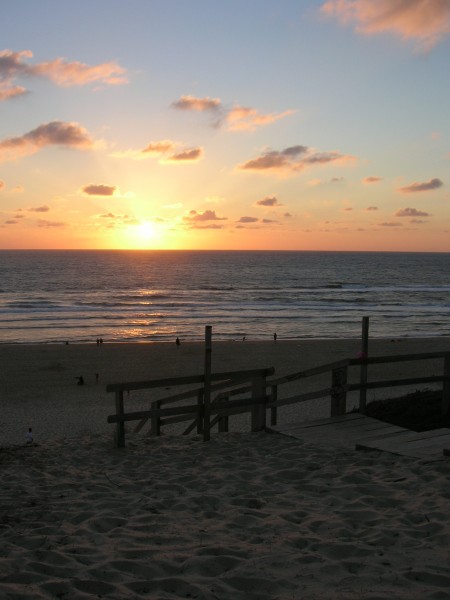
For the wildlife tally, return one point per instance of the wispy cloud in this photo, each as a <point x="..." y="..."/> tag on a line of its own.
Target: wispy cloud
<point x="236" y="118"/>
<point x="248" y="220"/>
<point x="425" y="186"/>
<point x="56" y="133"/>
<point x="39" y="209"/>
<point x="207" y="215"/>
<point x="63" y="73"/>
<point x="165" y="150"/>
<point x="411" y="212"/>
<point x="269" y="201"/>
<point x="188" y="155"/>
<point x="371" y="179"/>
<point x="292" y="160"/>
<point x="427" y="21"/>
<point x="51" y="224"/>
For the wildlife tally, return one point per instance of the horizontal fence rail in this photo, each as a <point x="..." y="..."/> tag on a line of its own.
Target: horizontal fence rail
<point x="262" y="394"/>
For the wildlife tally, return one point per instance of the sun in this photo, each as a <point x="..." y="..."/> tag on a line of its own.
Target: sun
<point x="146" y="230"/>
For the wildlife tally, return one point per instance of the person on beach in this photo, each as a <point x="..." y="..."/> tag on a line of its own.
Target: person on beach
<point x="275" y="336"/>
<point x="80" y="380"/>
<point x="177" y="342"/>
<point x="29" y="436"/>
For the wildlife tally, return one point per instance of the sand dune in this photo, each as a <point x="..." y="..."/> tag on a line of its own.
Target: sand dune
<point x="244" y="516"/>
<point x="252" y="515"/>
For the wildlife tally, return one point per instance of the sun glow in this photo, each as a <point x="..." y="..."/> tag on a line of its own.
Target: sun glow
<point x="146" y="230"/>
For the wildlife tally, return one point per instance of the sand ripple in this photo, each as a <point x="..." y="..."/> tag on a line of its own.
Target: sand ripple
<point x="245" y="516"/>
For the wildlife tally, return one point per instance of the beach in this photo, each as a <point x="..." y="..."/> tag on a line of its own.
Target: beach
<point x="245" y="515"/>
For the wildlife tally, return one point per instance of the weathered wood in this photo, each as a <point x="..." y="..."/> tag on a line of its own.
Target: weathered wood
<point x="161" y="412"/>
<point x="395" y="382"/>
<point x="188" y="379"/>
<point x="338" y="391"/>
<point x="120" y="427"/>
<point x="299" y="398"/>
<point x="391" y="358"/>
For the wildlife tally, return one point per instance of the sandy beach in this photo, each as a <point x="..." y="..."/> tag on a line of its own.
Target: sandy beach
<point x="246" y="515"/>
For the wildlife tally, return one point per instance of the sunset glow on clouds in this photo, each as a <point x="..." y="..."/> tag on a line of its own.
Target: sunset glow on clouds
<point x="318" y="125"/>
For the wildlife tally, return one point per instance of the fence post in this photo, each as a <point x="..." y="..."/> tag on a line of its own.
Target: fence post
<point x="259" y="410"/>
<point x="156" y="421"/>
<point x="364" y="354"/>
<point x="274" y="409"/>
<point x="338" y="391"/>
<point x="446" y="387"/>
<point x="207" y="385"/>
<point x="120" y="426"/>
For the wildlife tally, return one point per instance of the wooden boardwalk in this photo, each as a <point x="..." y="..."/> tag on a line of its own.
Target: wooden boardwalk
<point x="356" y="431"/>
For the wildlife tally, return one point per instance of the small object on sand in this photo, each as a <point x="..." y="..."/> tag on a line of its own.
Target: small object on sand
<point x="80" y="380"/>
<point x="29" y="436"/>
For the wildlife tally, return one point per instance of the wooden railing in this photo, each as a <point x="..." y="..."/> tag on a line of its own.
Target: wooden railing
<point x="263" y="394"/>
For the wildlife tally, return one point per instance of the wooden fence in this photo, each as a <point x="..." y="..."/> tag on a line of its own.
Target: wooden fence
<point x="262" y="394"/>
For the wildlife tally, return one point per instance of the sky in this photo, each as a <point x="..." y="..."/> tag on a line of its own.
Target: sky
<point x="226" y="125"/>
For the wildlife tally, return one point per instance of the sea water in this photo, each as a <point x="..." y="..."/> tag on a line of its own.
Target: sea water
<point x="146" y="296"/>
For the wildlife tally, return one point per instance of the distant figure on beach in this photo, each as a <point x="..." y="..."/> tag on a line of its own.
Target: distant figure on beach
<point x="243" y="339"/>
<point x="177" y="342"/>
<point x="80" y="380"/>
<point x="29" y="436"/>
<point x="96" y="377"/>
<point x="275" y="336"/>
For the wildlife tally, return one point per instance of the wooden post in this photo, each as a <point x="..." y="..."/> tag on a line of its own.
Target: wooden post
<point x="338" y="392"/>
<point x="274" y="409"/>
<point x="156" y="421"/>
<point x="259" y="410"/>
<point x="120" y="427"/>
<point x="364" y="354"/>
<point x="207" y="385"/>
<point x="446" y="387"/>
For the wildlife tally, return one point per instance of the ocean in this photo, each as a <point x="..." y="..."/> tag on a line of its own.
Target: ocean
<point x="153" y="296"/>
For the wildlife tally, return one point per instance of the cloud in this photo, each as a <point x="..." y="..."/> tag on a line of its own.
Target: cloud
<point x="207" y="215"/>
<point x="51" y="224"/>
<point x="292" y="160"/>
<point x="427" y="21"/>
<point x="411" y="212"/>
<point x="390" y="224"/>
<point x="39" y="209"/>
<point x="269" y="201"/>
<point x="237" y="118"/>
<point x="248" y="220"/>
<point x="369" y="180"/>
<point x="162" y="149"/>
<point x="188" y="155"/>
<point x="56" y="133"/>
<point x="241" y="118"/>
<point x="433" y="184"/>
<point x="61" y="72"/>
<point x="369" y="208"/>
<point x="99" y="190"/>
